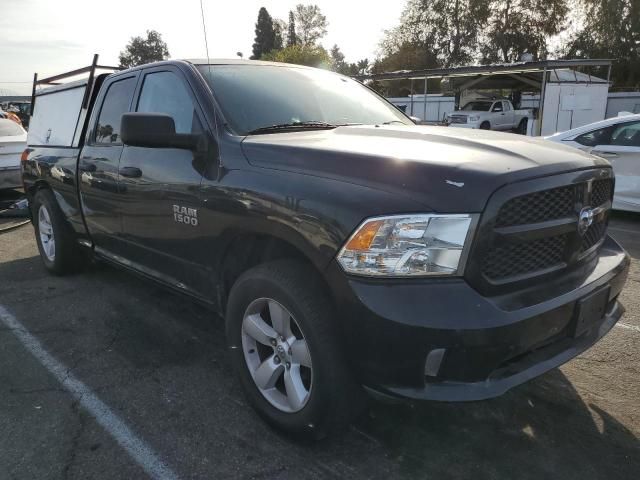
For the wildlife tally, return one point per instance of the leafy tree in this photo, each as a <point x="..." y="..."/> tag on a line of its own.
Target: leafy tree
<point x="141" y="50"/>
<point x="310" y="55"/>
<point x="265" y="39"/>
<point x="311" y="24"/>
<point x="292" y="37"/>
<point x="338" y="63"/>
<point x="611" y="30"/>
<point x="280" y="32"/>
<point x="408" y="55"/>
<point x="521" y="26"/>
<point x="448" y="29"/>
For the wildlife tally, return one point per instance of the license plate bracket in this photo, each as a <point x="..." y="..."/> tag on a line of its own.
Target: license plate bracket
<point x="590" y="309"/>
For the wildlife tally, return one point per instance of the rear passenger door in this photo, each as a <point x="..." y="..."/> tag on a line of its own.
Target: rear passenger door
<point x="161" y="187"/>
<point x="98" y="165"/>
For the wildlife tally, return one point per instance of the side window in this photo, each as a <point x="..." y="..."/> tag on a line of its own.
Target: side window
<point x="626" y="135"/>
<point x="164" y="92"/>
<point x="497" y="107"/>
<point x="506" y="107"/>
<point x="116" y="102"/>
<point x="602" y="136"/>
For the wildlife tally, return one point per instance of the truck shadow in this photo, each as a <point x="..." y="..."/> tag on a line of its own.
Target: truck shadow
<point x="540" y="430"/>
<point x="543" y="429"/>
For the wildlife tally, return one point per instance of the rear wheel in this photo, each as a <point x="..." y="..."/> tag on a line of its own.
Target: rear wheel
<point x="282" y="342"/>
<point x="485" y="126"/>
<point x="57" y="245"/>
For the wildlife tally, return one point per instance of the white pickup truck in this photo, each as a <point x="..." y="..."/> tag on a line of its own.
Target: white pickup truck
<point x="489" y="115"/>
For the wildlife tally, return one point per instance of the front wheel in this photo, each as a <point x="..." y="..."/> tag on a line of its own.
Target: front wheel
<point x="485" y="126"/>
<point x="284" y="348"/>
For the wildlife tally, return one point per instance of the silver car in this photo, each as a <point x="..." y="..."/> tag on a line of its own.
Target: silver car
<point x="618" y="140"/>
<point x="13" y="141"/>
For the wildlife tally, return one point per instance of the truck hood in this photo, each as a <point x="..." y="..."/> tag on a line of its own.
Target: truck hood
<point x="446" y="170"/>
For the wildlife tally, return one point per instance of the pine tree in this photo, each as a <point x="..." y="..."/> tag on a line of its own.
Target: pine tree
<point x="265" y="40"/>
<point x="292" y="38"/>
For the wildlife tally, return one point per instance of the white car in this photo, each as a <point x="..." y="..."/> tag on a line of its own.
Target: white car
<point x="618" y="140"/>
<point x="489" y="115"/>
<point x="13" y="141"/>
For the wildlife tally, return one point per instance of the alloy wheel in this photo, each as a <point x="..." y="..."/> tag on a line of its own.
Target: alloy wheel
<point x="277" y="355"/>
<point x="45" y="229"/>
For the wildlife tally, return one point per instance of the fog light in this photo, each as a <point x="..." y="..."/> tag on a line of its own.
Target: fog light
<point x="432" y="364"/>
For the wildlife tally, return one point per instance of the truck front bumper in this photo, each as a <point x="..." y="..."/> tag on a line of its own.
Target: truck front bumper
<point x="465" y="125"/>
<point x="439" y="339"/>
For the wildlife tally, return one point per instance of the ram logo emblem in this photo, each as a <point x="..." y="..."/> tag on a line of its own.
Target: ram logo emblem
<point x="185" y="215"/>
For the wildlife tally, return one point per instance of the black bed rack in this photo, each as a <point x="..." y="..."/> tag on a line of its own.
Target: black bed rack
<point x="55" y="79"/>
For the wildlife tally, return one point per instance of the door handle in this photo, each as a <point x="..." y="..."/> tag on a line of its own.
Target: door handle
<point x="130" y="172"/>
<point x="606" y="154"/>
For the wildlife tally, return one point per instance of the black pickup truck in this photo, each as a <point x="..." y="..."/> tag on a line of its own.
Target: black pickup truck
<point x="345" y="246"/>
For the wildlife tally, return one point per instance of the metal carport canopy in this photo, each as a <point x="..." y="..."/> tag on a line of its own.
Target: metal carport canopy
<point x="493" y="69"/>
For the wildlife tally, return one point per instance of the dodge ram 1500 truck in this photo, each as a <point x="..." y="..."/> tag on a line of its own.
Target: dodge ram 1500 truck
<point x="345" y="246"/>
<point x="489" y="115"/>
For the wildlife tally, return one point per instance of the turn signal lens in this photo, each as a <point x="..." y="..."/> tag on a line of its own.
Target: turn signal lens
<point x="364" y="236"/>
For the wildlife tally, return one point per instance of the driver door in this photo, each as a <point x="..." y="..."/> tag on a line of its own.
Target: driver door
<point x="160" y="188"/>
<point x="498" y="116"/>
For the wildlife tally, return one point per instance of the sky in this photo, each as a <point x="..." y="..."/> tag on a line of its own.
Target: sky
<point x="53" y="36"/>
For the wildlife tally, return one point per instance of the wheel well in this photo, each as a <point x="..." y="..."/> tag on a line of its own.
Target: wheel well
<point x="39" y="185"/>
<point x="249" y="250"/>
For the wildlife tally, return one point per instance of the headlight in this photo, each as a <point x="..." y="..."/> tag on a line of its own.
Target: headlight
<point x="473" y="118"/>
<point x="407" y="245"/>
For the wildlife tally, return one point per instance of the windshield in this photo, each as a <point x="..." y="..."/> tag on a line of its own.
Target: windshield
<point x="257" y="96"/>
<point x="478" y="106"/>
<point x="9" y="128"/>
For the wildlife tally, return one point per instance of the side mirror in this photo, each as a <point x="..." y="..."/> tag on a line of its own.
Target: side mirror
<point x="155" y="130"/>
<point x="416" y="120"/>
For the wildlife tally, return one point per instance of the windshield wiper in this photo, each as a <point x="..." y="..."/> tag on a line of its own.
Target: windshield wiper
<point x="307" y="125"/>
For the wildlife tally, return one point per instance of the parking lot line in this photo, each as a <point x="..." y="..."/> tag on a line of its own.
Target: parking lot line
<point x="139" y="451"/>
<point x="628" y="327"/>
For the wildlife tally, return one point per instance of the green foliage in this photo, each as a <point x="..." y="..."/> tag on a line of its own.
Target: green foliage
<point x="310" y="24"/>
<point x="310" y="55"/>
<point x="406" y="56"/>
<point x="521" y="26"/>
<point x="338" y="63"/>
<point x="141" y="50"/>
<point x="611" y="30"/>
<point x="280" y="31"/>
<point x="265" y="39"/>
<point x="445" y="33"/>
<point x="448" y="29"/>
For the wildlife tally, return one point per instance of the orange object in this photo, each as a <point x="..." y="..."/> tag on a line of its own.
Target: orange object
<point x="363" y="238"/>
<point x="14" y="117"/>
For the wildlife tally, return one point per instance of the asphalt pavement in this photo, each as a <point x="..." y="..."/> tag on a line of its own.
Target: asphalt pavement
<point x="104" y="375"/>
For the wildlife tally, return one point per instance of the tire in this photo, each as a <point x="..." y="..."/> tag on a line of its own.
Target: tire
<point x="59" y="250"/>
<point x="522" y="127"/>
<point x="332" y="398"/>
<point x="485" y="126"/>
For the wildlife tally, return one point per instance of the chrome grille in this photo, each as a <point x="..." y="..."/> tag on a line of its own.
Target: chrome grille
<point x="457" y="119"/>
